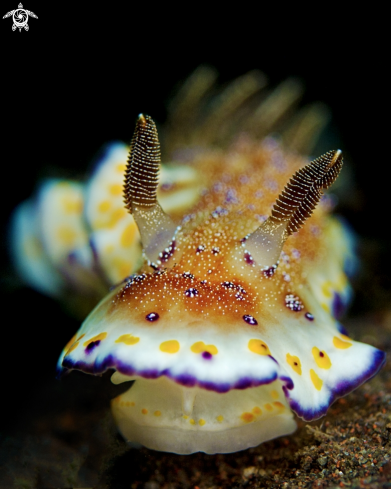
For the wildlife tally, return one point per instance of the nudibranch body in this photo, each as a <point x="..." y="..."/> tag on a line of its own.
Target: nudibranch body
<point x="230" y="326"/>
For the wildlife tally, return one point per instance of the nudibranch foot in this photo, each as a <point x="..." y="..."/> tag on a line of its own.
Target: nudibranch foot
<point x="151" y="413"/>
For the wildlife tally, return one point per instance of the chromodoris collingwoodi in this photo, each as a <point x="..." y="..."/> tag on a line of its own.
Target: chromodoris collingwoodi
<point x="229" y="326"/>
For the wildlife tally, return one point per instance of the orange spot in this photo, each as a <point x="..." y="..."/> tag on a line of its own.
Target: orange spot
<point x="268" y="407"/>
<point x="144" y="411"/>
<point x="279" y="405"/>
<point x="157" y="413"/>
<point x="132" y="403"/>
<point x="128" y="339"/>
<point x="274" y="394"/>
<point x="316" y="380"/>
<point x="259" y="347"/>
<point x="200" y="347"/>
<point x="115" y="189"/>
<point x="338" y="343"/>
<point x="98" y="337"/>
<point x="128" y="235"/>
<point x="170" y="346"/>
<point x="257" y="410"/>
<point x="247" y="417"/>
<point x="104" y="206"/>
<point x="321" y="358"/>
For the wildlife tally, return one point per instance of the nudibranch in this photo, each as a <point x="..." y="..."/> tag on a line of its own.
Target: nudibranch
<point x="229" y="327"/>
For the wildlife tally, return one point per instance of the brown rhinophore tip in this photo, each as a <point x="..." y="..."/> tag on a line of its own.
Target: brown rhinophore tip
<point x="142" y="170"/>
<point x="302" y="193"/>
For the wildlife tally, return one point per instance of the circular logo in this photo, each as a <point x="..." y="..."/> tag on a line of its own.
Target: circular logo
<point x="20" y="17"/>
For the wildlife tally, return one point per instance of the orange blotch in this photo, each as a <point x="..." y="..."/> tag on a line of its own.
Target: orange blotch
<point x="247" y="417"/>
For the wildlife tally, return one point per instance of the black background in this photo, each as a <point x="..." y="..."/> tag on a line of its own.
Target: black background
<point x="80" y="76"/>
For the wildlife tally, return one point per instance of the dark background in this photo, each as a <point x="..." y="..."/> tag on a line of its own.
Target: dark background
<point x="78" y="78"/>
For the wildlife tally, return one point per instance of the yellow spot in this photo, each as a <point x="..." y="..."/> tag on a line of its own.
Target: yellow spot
<point x="325" y="307"/>
<point x="220" y="418"/>
<point x="104" y="206"/>
<point x="327" y="289"/>
<point x="268" y="407"/>
<point x="338" y="343"/>
<point x="124" y="267"/>
<point x="144" y="411"/>
<point x="274" y="394"/>
<point x="279" y="405"/>
<point x="71" y="348"/>
<point x="247" y="417"/>
<point x="132" y="403"/>
<point x="257" y="410"/>
<point x="294" y="362"/>
<point x="128" y="403"/>
<point x="316" y="380"/>
<point x="170" y="346"/>
<point x="128" y="235"/>
<point x="121" y="168"/>
<point x="72" y="206"/>
<point x="71" y="341"/>
<point x="98" y="337"/>
<point x="201" y="422"/>
<point x="157" y="413"/>
<point x="128" y="339"/>
<point x="115" y="189"/>
<point x="109" y="248"/>
<point x="185" y="416"/>
<point x="67" y="235"/>
<point x="321" y="358"/>
<point x="259" y="347"/>
<point x="116" y="216"/>
<point x="192" y="421"/>
<point x="200" y="347"/>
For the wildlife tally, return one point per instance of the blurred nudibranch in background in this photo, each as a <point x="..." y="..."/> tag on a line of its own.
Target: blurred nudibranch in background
<point x="227" y="274"/>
